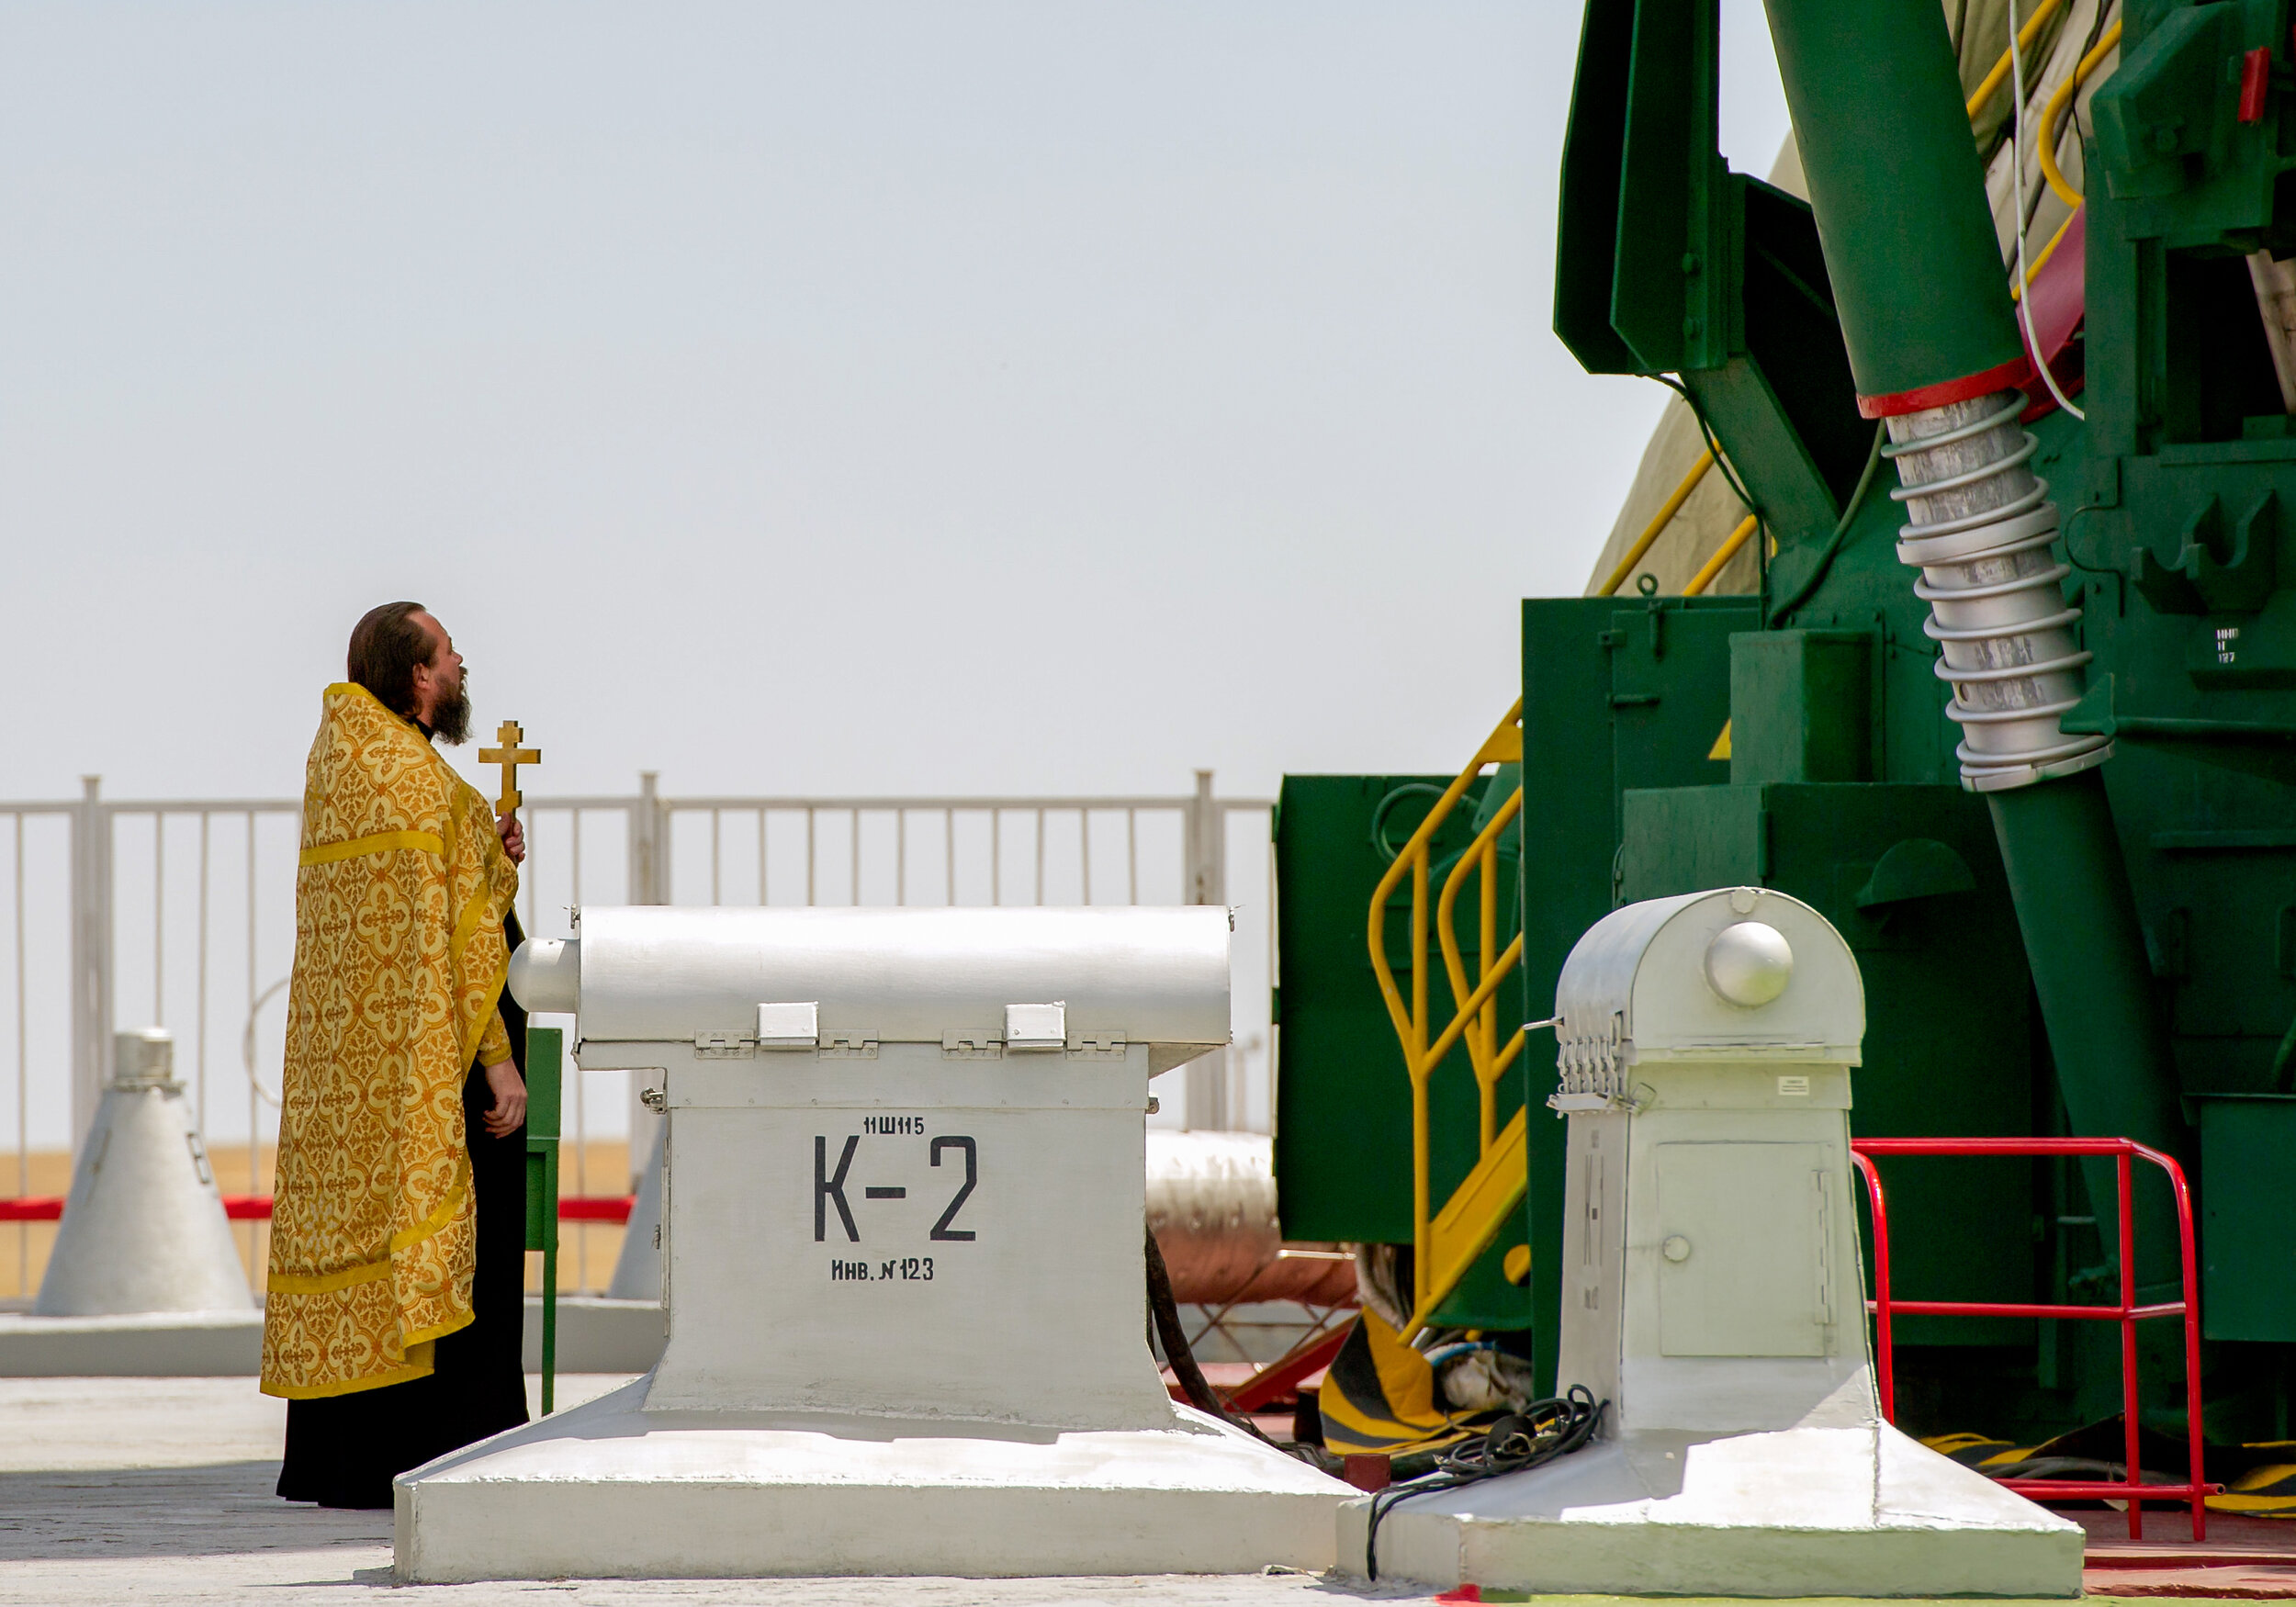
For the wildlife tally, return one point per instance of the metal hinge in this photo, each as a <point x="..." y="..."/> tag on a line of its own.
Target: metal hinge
<point x="723" y="1046"/>
<point x="1096" y="1046"/>
<point x="979" y="1045"/>
<point x="1825" y="1261"/>
<point x="847" y="1046"/>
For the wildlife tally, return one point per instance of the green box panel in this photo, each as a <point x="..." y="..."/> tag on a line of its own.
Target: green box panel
<point x="2247" y="1259"/>
<point x="545" y="1066"/>
<point x="1616" y="694"/>
<point x="1802" y="706"/>
<point x="545" y="1070"/>
<point x="541" y="1194"/>
<point x="1343" y="1102"/>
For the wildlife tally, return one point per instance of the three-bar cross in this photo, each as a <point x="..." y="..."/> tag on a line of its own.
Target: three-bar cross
<point x="510" y="756"/>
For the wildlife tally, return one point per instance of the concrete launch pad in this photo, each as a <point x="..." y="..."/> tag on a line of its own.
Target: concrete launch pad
<point x="612" y="1490"/>
<point x="1810" y="1512"/>
<point x="159" y="1490"/>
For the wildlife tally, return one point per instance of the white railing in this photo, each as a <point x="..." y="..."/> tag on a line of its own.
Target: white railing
<point x="180" y="914"/>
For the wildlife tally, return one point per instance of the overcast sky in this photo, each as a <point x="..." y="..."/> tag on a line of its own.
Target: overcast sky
<point x="903" y="397"/>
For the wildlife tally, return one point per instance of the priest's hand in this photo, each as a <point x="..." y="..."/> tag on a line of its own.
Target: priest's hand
<point x="508" y="1111"/>
<point x="513" y="837"/>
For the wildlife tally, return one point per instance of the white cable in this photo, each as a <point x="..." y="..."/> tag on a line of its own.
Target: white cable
<point x="2024" y="298"/>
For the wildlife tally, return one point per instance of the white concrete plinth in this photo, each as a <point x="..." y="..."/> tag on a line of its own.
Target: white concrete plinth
<point x="594" y="1336"/>
<point x="598" y="1335"/>
<point x="1796" y="1512"/>
<point x="612" y="1490"/>
<point x="156" y="1344"/>
<point x="1711" y="1277"/>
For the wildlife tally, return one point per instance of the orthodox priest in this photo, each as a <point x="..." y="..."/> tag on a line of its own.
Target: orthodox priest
<point x="395" y="1295"/>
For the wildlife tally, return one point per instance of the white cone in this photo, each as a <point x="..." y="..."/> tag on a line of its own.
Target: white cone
<point x="143" y="1229"/>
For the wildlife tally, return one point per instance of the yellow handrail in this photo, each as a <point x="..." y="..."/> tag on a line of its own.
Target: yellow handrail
<point x="1504" y="745"/>
<point x="2062" y="101"/>
<point x="2025" y="36"/>
<point x="1659" y="522"/>
<point x="1482" y="994"/>
<point x="1482" y="1043"/>
<point x="1697" y="585"/>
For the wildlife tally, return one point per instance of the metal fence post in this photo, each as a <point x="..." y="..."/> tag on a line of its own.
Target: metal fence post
<point x="1207" y="849"/>
<point x="1207" y="845"/>
<point x="91" y="954"/>
<point x="649" y="843"/>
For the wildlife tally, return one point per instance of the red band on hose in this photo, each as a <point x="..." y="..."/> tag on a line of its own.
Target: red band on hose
<point x="2009" y="375"/>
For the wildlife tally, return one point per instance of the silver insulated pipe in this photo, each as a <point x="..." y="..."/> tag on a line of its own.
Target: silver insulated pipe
<point x="1981" y="533"/>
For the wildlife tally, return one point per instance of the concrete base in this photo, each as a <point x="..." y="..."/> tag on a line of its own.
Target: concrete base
<point x="594" y="1336"/>
<point x="165" y="1345"/>
<point x="598" y="1335"/>
<point x="612" y="1490"/>
<point x="1805" y="1511"/>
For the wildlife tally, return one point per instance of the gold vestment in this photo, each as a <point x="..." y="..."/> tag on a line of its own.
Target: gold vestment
<point x="400" y="957"/>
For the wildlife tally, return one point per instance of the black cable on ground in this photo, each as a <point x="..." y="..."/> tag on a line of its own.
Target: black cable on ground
<point x="1174" y="1338"/>
<point x="1538" y="1434"/>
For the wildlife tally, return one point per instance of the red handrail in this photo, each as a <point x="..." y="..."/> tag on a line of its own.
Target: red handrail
<point x="2194" y="1491"/>
<point x="256" y="1207"/>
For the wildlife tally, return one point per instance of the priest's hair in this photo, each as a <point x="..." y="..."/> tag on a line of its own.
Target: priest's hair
<point x="387" y="646"/>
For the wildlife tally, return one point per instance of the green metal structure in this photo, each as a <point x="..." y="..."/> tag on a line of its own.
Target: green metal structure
<point x="545" y="1057"/>
<point x="2102" y="947"/>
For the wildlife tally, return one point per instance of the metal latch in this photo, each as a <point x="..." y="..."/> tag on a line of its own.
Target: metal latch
<point x="790" y="1026"/>
<point x="1036" y="1026"/>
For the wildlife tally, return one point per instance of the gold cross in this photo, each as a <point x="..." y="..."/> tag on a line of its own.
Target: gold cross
<point x="510" y="756"/>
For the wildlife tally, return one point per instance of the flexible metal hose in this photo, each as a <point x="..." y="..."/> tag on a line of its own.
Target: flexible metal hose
<point x="1981" y="533"/>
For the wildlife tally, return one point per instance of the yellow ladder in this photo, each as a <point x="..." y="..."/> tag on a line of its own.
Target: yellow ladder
<point x="1447" y="1244"/>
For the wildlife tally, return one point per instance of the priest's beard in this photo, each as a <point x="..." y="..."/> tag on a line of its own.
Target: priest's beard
<point x="450" y="722"/>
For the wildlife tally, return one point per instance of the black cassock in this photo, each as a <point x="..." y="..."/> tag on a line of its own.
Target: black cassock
<point x="344" y="1450"/>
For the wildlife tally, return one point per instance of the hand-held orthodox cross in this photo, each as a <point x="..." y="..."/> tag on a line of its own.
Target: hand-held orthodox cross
<point x="510" y="756"/>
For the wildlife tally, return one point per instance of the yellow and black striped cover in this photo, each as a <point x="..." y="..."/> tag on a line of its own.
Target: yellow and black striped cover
<point x="1379" y="1397"/>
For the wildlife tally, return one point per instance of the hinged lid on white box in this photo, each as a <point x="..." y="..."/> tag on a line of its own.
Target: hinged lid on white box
<point x="651" y="974"/>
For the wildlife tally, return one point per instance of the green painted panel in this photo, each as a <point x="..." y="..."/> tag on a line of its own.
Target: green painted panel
<point x="1342" y="1126"/>
<point x="1614" y="694"/>
<point x="2247" y="1265"/>
<point x="1802" y="706"/>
